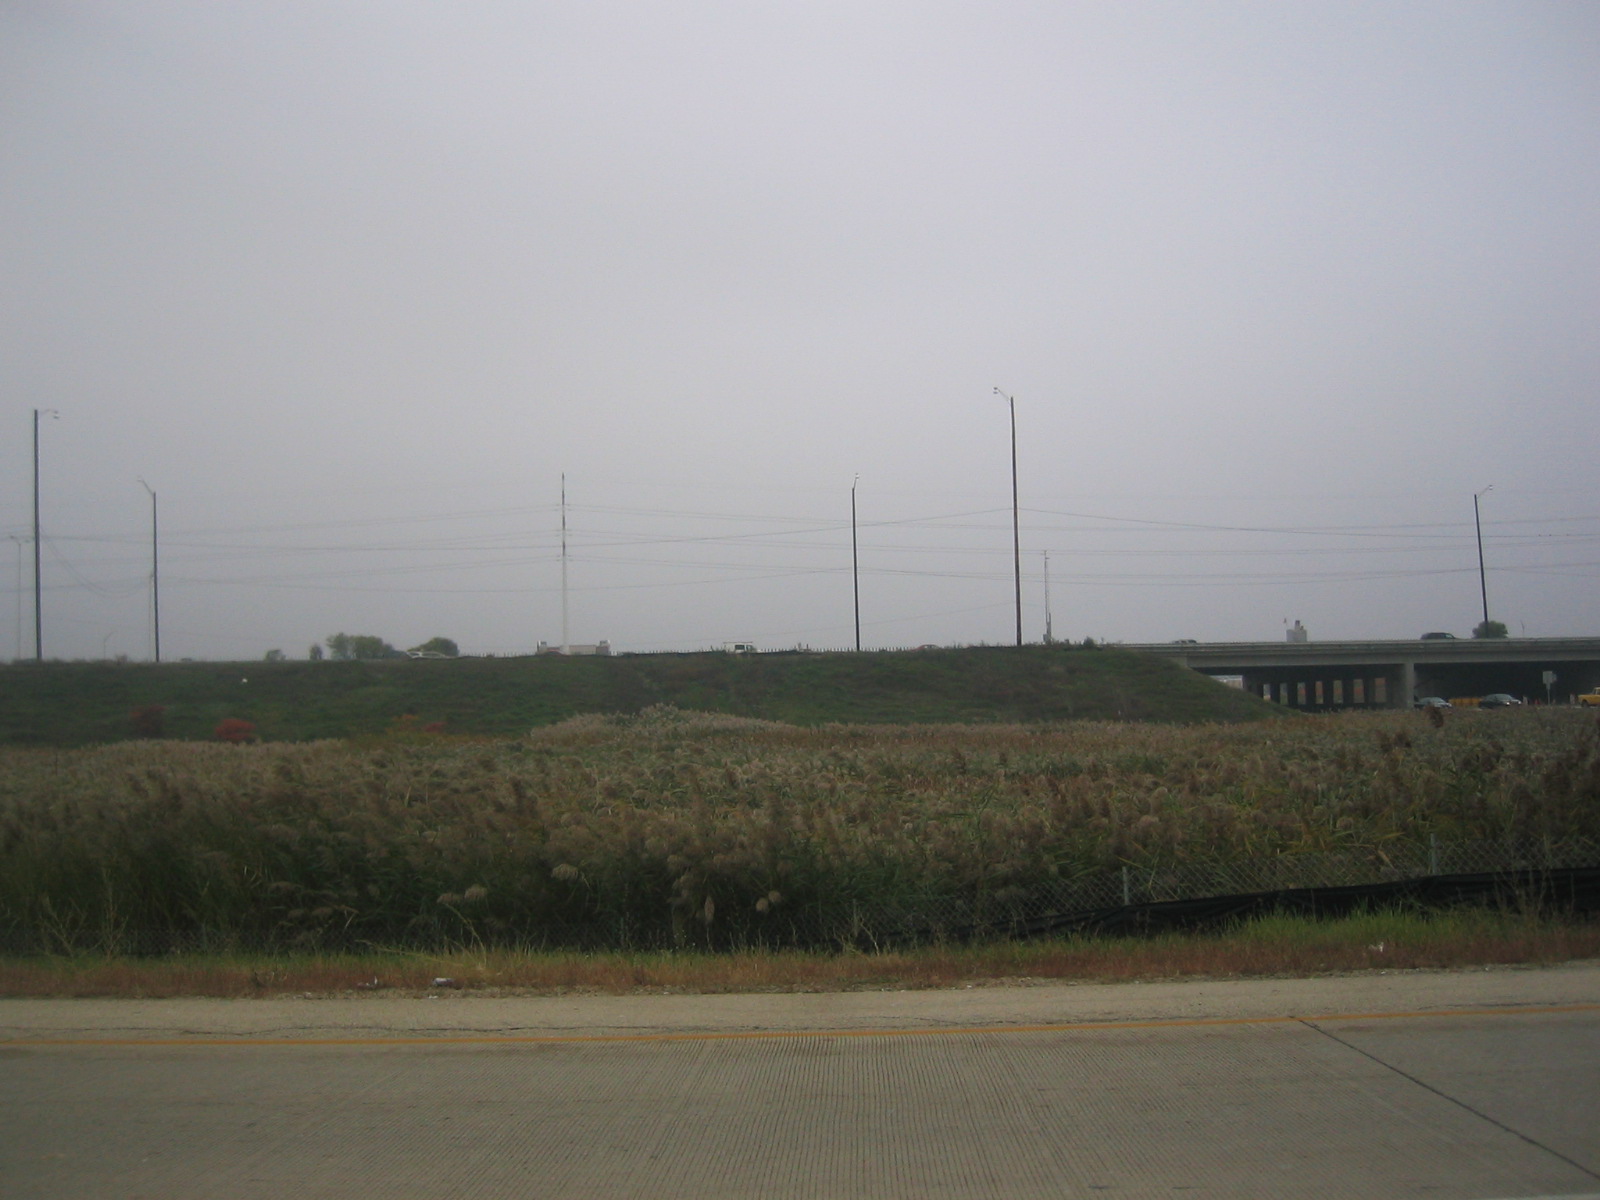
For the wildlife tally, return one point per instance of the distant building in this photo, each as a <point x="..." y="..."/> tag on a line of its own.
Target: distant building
<point x="1297" y="633"/>
<point x="600" y="649"/>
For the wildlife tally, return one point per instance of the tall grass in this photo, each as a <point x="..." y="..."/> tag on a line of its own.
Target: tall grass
<point x="1372" y="941"/>
<point x="676" y="828"/>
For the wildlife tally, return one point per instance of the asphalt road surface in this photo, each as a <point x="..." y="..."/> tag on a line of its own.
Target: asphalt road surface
<point x="1449" y="1085"/>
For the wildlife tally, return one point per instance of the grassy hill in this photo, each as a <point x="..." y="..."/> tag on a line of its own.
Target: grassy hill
<point x="64" y="704"/>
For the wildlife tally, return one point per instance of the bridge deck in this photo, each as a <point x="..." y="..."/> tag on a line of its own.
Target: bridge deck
<point x="1392" y="673"/>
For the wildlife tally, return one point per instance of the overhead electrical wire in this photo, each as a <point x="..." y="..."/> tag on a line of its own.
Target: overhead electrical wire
<point x="596" y="544"/>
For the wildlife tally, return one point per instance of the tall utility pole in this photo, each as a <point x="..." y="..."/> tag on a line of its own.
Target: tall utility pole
<point x="38" y="589"/>
<point x="1483" y="583"/>
<point x="1048" y="637"/>
<point x="855" y="562"/>
<point x="566" y="646"/>
<point x="155" y="572"/>
<point x="1016" y="518"/>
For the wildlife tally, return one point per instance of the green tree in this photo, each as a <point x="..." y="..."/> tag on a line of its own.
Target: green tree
<point x="437" y="645"/>
<point x="346" y="647"/>
<point x="316" y="652"/>
<point x="1491" y="629"/>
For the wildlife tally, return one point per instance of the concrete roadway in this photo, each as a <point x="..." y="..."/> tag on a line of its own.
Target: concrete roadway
<point x="1449" y="1085"/>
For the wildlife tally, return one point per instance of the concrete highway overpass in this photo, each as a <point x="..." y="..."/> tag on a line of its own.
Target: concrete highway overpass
<point x="1391" y="674"/>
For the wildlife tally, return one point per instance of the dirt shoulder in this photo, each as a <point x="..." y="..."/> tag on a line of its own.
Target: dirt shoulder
<point x="448" y="1015"/>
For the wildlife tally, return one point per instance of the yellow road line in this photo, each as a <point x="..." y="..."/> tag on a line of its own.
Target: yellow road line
<point x="495" y="1039"/>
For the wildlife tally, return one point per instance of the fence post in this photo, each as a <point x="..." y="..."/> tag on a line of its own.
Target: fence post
<point x="1127" y="897"/>
<point x="1433" y="854"/>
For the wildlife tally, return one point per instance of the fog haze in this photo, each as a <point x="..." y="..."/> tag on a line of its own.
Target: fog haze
<point x="1277" y="288"/>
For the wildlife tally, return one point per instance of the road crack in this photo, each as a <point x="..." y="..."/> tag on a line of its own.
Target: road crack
<point x="1443" y="1095"/>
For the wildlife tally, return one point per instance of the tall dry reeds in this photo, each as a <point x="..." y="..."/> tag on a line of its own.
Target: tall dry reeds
<point x="702" y="830"/>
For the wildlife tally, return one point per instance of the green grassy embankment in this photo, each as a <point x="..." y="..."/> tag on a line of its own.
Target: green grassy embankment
<point x="72" y="704"/>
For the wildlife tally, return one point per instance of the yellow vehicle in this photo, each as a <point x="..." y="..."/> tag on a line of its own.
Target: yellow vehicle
<point x="1592" y="699"/>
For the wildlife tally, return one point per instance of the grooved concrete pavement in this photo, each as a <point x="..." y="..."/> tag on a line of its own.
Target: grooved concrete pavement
<point x="1455" y="1085"/>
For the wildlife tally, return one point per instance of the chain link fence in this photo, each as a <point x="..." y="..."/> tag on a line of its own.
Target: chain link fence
<point x="1138" y="885"/>
<point x="1558" y="874"/>
<point x="1508" y="869"/>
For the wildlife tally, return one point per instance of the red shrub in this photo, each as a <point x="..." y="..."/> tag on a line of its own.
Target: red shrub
<point x="235" y="730"/>
<point x="148" y="720"/>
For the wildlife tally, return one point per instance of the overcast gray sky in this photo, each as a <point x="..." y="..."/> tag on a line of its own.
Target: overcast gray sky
<point x="1277" y="288"/>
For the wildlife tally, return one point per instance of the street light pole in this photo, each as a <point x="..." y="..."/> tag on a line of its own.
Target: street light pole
<point x="38" y="589"/>
<point x="566" y="646"/>
<point x="855" y="563"/>
<point x="1016" y="519"/>
<point x="155" y="571"/>
<point x="1483" y="585"/>
<point x="17" y="655"/>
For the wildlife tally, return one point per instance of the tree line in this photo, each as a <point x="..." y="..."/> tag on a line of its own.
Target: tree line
<point x="351" y="647"/>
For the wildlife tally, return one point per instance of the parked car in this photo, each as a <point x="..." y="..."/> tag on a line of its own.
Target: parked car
<point x="1433" y="702"/>
<point x="1592" y="698"/>
<point x="1499" y="700"/>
